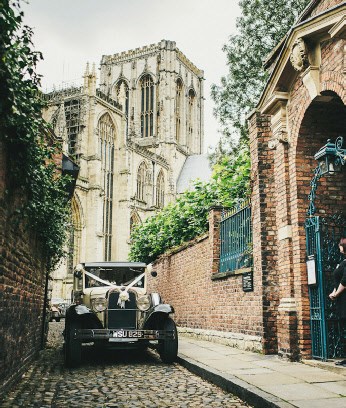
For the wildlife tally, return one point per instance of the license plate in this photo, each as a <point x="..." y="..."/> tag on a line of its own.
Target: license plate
<point x="127" y="334"/>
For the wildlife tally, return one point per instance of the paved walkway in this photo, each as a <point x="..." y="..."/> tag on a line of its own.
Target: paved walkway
<point x="265" y="381"/>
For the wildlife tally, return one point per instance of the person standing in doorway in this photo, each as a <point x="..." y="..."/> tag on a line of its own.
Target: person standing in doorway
<point x="339" y="294"/>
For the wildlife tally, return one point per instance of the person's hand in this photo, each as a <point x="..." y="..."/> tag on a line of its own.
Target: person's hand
<point x="332" y="295"/>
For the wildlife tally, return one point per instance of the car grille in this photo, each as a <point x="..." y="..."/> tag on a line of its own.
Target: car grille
<point x="119" y="318"/>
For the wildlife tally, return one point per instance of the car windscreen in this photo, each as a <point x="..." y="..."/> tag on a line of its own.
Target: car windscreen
<point x="120" y="276"/>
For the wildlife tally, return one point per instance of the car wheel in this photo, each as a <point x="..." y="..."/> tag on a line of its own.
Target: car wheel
<point x="73" y="347"/>
<point x="168" y="349"/>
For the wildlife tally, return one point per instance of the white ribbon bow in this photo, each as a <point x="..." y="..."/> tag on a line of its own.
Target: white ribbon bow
<point x="123" y="295"/>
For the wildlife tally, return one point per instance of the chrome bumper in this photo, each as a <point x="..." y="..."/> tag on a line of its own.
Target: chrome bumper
<point x="129" y="335"/>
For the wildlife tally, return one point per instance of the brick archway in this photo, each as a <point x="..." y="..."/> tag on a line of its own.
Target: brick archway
<point x="281" y="184"/>
<point x="324" y="119"/>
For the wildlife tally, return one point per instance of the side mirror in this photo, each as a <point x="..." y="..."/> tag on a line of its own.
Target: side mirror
<point x="153" y="274"/>
<point x="77" y="274"/>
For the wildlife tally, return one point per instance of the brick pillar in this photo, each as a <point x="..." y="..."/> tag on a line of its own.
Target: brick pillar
<point x="264" y="225"/>
<point x="214" y="218"/>
<point x="287" y="316"/>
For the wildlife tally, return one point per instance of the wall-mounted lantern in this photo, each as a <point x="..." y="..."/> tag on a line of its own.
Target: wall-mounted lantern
<point x="331" y="157"/>
<point x="70" y="168"/>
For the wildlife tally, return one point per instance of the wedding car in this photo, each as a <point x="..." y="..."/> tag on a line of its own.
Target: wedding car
<point x="111" y="308"/>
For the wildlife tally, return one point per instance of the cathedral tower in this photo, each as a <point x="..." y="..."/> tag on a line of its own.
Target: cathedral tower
<point x="131" y="137"/>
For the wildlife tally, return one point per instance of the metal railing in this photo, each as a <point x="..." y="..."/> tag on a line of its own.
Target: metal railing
<point x="236" y="238"/>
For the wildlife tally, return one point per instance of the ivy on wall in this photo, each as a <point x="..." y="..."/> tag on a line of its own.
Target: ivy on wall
<point x="30" y="147"/>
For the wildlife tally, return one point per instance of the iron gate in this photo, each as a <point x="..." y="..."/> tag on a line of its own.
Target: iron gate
<point x="322" y="238"/>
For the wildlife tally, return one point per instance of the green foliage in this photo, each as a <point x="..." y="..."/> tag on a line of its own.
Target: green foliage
<point x="31" y="171"/>
<point x="262" y="25"/>
<point x="232" y="175"/>
<point x="187" y="218"/>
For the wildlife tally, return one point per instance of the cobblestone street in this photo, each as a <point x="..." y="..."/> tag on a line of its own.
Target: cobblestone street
<point x="124" y="379"/>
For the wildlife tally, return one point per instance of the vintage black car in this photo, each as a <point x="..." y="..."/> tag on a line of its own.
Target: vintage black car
<point x="112" y="309"/>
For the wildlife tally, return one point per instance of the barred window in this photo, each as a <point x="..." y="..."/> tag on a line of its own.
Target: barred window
<point x="106" y="132"/>
<point x="141" y="179"/>
<point x="178" y="110"/>
<point x="147" y="106"/>
<point x="160" y="190"/>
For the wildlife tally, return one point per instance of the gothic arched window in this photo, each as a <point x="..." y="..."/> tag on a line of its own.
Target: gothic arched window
<point x="122" y="96"/>
<point x="178" y="110"/>
<point x="74" y="237"/>
<point x="134" y="220"/>
<point x="141" y="182"/>
<point x="147" y="106"/>
<point x="160" y="190"/>
<point x="190" y="114"/>
<point x="106" y="132"/>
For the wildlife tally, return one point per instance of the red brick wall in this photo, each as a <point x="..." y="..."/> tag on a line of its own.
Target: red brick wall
<point x="325" y="5"/>
<point x="278" y="309"/>
<point x="289" y="169"/>
<point x="21" y="289"/>
<point x="184" y="281"/>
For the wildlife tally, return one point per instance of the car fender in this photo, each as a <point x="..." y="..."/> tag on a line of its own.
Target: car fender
<point x="83" y="314"/>
<point x="74" y="310"/>
<point x="157" y="315"/>
<point x="82" y="309"/>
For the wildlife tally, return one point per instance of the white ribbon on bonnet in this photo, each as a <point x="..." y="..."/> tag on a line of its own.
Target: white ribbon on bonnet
<point x="123" y="295"/>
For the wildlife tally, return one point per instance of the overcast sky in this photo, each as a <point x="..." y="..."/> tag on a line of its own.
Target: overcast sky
<point x="71" y="33"/>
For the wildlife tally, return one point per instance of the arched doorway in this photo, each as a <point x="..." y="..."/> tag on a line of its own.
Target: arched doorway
<point x="324" y="218"/>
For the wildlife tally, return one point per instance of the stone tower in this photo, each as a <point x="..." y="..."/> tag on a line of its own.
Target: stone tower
<point x="131" y="137"/>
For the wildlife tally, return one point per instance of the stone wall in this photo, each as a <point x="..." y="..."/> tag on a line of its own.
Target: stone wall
<point x="22" y="278"/>
<point x="214" y="309"/>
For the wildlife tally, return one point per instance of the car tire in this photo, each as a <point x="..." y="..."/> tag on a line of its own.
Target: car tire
<point x="168" y="349"/>
<point x="73" y="347"/>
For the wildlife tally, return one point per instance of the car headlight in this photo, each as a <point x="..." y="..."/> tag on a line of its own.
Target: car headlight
<point x="143" y="303"/>
<point x="99" y="304"/>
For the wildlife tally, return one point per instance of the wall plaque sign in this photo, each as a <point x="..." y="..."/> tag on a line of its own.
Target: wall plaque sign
<point x="247" y="281"/>
<point x="311" y="267"/>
